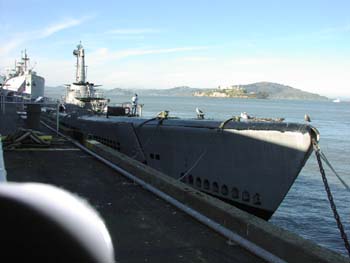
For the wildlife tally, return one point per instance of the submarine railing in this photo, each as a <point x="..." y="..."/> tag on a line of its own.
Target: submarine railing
<point x="2" y="165"/>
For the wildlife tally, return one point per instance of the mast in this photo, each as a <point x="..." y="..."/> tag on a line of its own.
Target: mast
<point x="80" y="73"/>
<point x="25" y="59"/>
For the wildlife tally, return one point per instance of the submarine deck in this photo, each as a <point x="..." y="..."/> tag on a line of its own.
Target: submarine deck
<point x="143" y="227"/>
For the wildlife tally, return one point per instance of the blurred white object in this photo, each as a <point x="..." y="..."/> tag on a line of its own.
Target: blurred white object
<point x="39" y="99"/>
<point x="46" y="222"/>
<point x="245" y="116"/>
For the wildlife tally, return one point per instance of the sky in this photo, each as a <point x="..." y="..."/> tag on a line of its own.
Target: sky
<point x="201" y="44"/>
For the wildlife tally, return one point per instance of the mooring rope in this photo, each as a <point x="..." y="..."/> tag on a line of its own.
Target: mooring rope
<point x="318" y="154"/>
<point x="324" y="158"/>
<point x="223" y="124"/>
<point x="137" y="128"/>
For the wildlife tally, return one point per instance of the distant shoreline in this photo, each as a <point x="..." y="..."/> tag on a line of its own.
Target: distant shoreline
<point x="259" y="90"/>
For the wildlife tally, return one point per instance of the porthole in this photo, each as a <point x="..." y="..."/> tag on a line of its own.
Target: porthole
<point x="256" y="199"/>
<point x="198" y="182"/>
<point x="235" y="193"/>
<point x="190" y="179"/>
<point x="215" y="187"/>
<point x="224" y="190"/>
<point x="206" y="184"/>
<point x="114" y="145"/>
<point x="245" y="196"/>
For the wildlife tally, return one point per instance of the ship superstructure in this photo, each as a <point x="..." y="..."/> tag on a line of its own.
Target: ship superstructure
<point x="81" y="92"/>
<point x="23" y="80"/>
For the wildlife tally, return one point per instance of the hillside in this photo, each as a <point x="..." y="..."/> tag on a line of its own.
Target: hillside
<point x="177" y="91"/>
<point x="55" y="92"/>
<point x="260" y="90"/>
<point x="59" y="91"/>
<point x="279" y="91"/>
<point x="117" y="92"/>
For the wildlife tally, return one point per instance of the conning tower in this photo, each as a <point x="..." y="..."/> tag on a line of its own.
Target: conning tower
<point x="80" y="75"/>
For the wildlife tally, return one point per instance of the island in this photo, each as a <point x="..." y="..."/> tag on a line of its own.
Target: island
<point x="259" y="90"/>
<point x="234" y="91"/>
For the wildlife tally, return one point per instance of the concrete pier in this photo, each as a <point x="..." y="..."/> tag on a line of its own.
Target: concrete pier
<point x="281" y="243"/>
<point x="143" y="227"/>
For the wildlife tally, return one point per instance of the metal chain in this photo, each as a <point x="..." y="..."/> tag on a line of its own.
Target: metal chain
<point x="330" y="198"/>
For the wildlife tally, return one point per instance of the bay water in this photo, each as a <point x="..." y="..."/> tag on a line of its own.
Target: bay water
<point x="305" y="210"/>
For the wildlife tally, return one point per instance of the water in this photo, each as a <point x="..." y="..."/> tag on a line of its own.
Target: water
<point x="305" y="210"/>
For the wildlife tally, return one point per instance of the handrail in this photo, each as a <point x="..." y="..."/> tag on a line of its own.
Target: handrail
<point x="2" y="165"/>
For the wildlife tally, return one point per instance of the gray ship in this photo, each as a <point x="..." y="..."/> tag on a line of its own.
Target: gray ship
<point x="23" y="81"/>
<point x="251" y="164"/>
<point x="82" y="93"/>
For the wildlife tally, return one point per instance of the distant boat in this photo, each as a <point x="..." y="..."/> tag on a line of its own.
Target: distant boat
<point x="336" y="100"/>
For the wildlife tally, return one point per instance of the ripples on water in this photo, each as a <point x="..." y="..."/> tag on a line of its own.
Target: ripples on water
<point x="305" y="210"/>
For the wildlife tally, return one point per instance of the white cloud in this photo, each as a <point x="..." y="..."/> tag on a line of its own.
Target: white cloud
<point x="9" y="45"/>
<point x="196" y="59"/>
<point x="308" y="74"/>
<point x="101" y="66"/>
<point x="316" y="35"/>
<point x="140" y="52"/>
<point x="4" y="26"/>
<point x="111" y="69"/>
<point x="132" y="31"/>
<point x="56" y="72"/>
<point x="336" y="30"/>
<point x="257" y="61"/>
<point x="54" y="28"/>
<point x="18" y="39"/>
<point x="104" y="55"/>
<point x="128" y="37"/>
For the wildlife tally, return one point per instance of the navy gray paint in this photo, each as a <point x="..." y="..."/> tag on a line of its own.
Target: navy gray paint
<point x="250" y="165"/>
